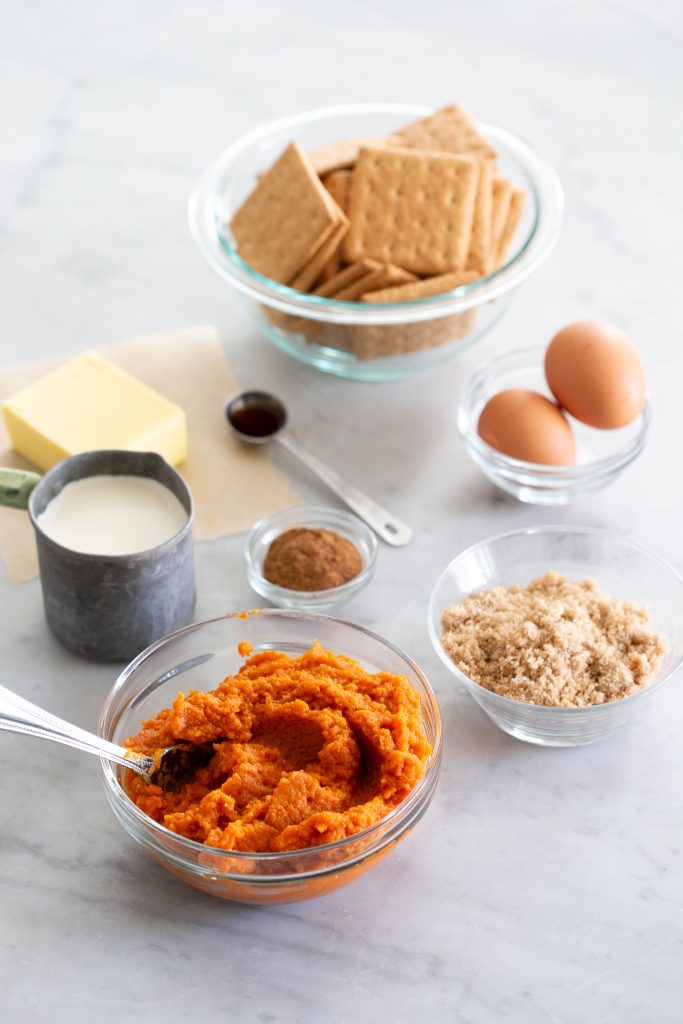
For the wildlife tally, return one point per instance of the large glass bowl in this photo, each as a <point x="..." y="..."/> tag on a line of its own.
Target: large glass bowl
<point x="601" y="455"/>
<point x="353" y="339"/>
<point x="199" y="657"/>
<point x="622" y="569"/>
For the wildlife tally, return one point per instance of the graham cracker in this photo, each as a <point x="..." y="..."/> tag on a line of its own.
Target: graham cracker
<point x="384" y="276"/>
<point x="480" y="256"/>
<point x="421" y="289"/>
<point x="391" y="276"/>
<point x="412" y="208"/>
<point x="514" y="215"/>
<point x="330" y="335"/>
<point x="338" y="155"/>
<point x="338" y="184"/>
<point x="312" y="270"/>
<point x="376" y="342"/>
<point x="501" y="198"/>
<point x="345" y="277"/>
<point x="336" y="335"/>
<point x="449" y="130"/>
<point x="285" y="219"/>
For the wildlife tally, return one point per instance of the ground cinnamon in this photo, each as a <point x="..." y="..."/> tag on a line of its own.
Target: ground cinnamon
<point x="311" y="559"/>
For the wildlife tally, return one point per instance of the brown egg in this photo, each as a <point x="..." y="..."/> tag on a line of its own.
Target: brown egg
<point x="595" y="373"/>
<point x="525" y="425"/>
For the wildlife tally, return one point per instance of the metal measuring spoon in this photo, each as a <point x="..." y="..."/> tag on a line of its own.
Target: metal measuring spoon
<point x="258" y="417"/>
<point x="168" y="768"/>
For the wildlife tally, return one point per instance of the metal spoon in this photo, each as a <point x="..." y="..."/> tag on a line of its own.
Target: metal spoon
<point x="258" y="417"/>
<point x="167" y="768"/>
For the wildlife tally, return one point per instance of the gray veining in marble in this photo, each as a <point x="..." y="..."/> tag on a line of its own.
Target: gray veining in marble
<point x="544" y="886"/>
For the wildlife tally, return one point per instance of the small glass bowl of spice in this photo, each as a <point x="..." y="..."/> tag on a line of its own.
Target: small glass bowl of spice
<point x="310" y="557"/>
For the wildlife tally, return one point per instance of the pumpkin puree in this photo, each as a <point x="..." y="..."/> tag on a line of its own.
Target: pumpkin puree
<point x="308" y="750"/>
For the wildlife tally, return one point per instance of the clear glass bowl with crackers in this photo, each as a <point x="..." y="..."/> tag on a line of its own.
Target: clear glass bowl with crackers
<point x="376" y="240"/>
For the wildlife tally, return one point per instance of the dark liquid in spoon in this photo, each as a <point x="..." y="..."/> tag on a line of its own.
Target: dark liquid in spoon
<point x="255" y="420"/>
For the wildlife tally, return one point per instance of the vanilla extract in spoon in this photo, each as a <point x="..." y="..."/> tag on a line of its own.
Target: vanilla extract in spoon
<point x="257" y="417"/>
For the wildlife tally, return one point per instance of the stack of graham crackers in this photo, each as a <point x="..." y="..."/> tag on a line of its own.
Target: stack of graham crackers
<point x="416" y="214"/>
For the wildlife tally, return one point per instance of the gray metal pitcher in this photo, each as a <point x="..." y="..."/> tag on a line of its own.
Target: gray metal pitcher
<point x="109" y="607"/>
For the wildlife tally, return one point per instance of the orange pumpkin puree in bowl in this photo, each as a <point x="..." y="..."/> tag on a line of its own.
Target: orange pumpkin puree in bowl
<point x="308" y="750"/>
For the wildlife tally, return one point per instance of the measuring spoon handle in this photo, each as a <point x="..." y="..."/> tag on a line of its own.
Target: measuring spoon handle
<point x="386" y="526"/>
<point x="20" y="715"/>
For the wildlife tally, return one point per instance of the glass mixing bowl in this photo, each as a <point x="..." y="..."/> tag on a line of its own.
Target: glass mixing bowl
<point x="601" y="455"/>
<point x="622" y="569"/>
<point x="353" y="339"/>
<point x="199" y="657"/>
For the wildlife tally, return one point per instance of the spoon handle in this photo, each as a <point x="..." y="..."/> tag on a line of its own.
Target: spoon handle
<point x="386" y="526"/>
<point x="19" y="715"/>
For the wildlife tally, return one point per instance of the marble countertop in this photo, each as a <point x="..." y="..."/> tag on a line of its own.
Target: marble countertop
<point x="543" y="886"/>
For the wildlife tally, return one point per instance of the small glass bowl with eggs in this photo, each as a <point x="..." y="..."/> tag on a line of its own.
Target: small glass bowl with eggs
<point x="550" y="424"/>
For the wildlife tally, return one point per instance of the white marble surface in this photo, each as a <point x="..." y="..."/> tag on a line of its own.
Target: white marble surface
<point x="544" y="886"/>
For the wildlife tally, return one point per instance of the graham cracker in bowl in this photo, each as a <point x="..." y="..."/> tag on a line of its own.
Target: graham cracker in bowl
<point x="374" y="341"/>
<point x="421" y="289"/>
<point x="427" y="211"/>
<point x="338" y="184"/>
<point x="480" y="255"/>
<point x="411" y="208"/>
<point x="517" y="200"/>
<point x="370" y="341"/>
<point x="385" y="275"/>
<point x="348" y="286"/>
<point x="338" y="155"/>
<point x="500" y="208"/>
<point x="449" y="130"/>
<point x="321" y="332"/>
<point x="313" y="269"/>
<point x="346" y="277"/>
<point x="285" y="219"/>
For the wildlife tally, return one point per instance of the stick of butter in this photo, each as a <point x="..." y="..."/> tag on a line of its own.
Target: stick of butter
<point x="89" y="403"/>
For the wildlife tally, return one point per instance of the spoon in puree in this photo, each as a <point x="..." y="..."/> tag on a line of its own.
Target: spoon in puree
<point x="258" y="417"/>
<point x="167" y="768"/>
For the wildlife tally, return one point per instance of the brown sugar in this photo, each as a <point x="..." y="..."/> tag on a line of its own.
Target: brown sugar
<point x="557" y="642"/>
<point x="311" y="559"/>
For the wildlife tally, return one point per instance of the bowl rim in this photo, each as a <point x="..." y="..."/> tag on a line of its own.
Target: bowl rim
<point x="433" y="615"/>
<point x="385" y="829"/>
<point x="333" y="595"/>
<point x="544" y="185"/>
<point x="534" y="472"/>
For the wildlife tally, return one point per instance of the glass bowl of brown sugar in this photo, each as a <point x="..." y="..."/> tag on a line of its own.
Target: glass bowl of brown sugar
<point x="572" y="674"/>
<point x="310" y="557"/>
